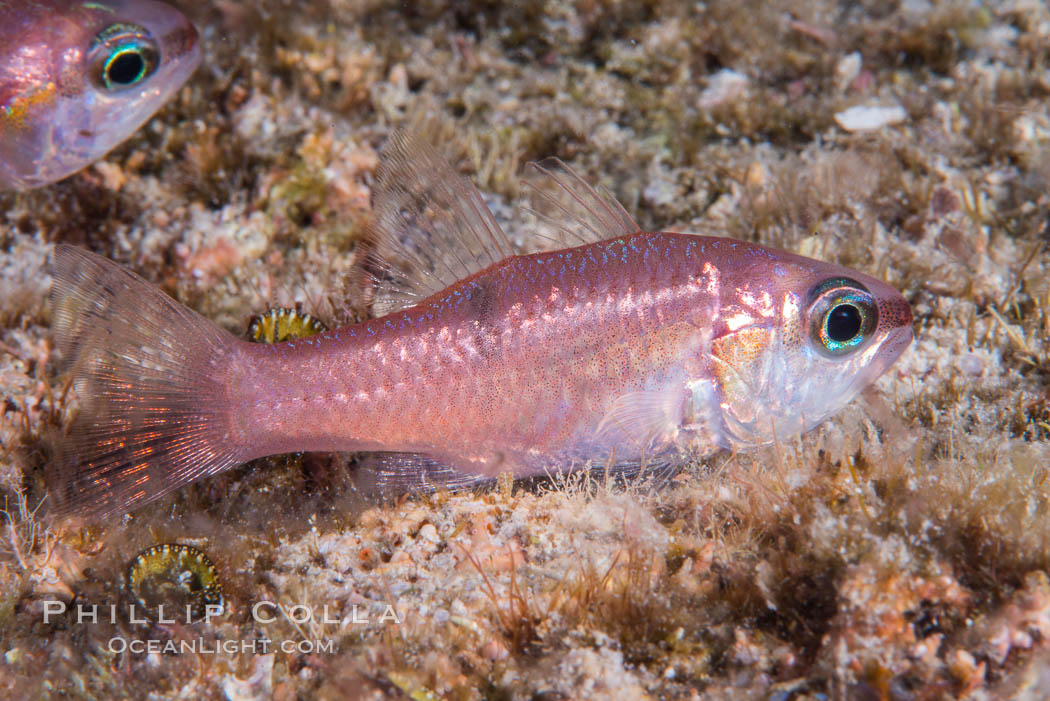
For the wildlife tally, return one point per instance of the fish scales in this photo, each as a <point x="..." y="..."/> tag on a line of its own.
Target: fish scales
<point x="625" y="348"/>
<point x="77" y="78"/>
<point x="521" y="362"/>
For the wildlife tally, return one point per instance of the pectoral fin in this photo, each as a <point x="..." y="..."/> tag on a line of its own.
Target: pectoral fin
<point x="645" y="420"/>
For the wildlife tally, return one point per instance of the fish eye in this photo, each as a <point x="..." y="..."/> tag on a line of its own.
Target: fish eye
<point x="122" y="56"/>
<point x="843" y="316"/>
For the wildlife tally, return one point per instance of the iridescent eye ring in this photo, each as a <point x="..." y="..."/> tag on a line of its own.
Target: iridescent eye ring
<point x="843" y="316"/>
<point x="122" y="56"/>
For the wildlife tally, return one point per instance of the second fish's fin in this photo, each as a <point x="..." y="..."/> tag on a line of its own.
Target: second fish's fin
<point x="431" y="227"/>
<point x="397" y="473"/>
<point x="573" y="212"/>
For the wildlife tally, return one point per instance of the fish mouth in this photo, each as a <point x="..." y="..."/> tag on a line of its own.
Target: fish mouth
<point x="897" y="342"/>
<point x="891" y="348"/>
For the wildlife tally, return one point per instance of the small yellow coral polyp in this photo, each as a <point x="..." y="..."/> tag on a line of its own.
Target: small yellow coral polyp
<point x="15" y="114"/>
<point x="278" y="325"/>
<point x="177" y="578"/>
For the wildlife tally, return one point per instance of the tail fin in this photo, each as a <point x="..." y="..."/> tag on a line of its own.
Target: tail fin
<point x="150" y="377"/>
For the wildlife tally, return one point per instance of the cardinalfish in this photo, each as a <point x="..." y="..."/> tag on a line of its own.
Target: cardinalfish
<point x="78" y="78"/>
<point x="626" y="348"/>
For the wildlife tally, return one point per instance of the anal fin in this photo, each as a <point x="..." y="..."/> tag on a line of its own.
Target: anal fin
<point x="397" y="473"/>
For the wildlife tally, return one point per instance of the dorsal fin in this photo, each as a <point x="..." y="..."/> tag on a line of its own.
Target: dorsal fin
<point x="574" y="212"/>
<point x="431" y="227"/>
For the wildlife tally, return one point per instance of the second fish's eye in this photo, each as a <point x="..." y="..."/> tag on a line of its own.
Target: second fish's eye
<point x="843" y="315"/>
<point x="122" y="56"/>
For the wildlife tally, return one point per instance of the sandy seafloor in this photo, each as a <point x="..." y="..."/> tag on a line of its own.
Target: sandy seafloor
<point x="899" y="551"/>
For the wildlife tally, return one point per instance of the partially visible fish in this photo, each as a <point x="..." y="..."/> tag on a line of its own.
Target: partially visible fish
<point x="630" y="347"/>
<point x="78" y="78"/>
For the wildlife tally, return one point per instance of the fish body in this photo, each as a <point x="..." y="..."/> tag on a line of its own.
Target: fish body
<point x="77" y="78"/>
<point x="619" y="349"/>
<point x="643" y="346"/>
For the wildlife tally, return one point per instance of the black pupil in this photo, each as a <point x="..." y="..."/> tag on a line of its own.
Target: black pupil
<point x="125" y="69"/>
<point x="844" y="323"/>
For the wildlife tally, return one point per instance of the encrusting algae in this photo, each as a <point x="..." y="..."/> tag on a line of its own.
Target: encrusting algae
<point x="897" y="551"/>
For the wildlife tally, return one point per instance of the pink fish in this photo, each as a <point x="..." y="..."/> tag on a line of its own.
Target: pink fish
<point x="629" y="348"/>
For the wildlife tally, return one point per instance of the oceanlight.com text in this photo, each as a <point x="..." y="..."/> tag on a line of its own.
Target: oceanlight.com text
<point x="200" y="646"/>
